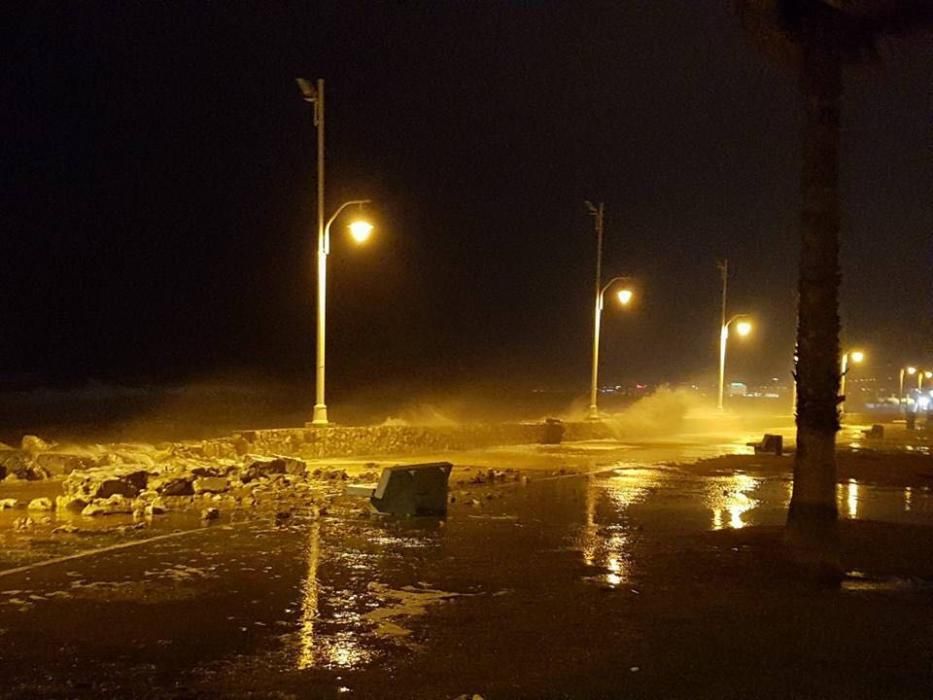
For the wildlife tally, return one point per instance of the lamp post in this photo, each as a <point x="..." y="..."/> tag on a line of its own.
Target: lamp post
<point x="921" y="376"/>
<point x="856" y="357"/>
<point x="314" y="94"/>
<point x="743" y="328"/>
<point x="624" y="296"/>
<point x="904" y="370"/>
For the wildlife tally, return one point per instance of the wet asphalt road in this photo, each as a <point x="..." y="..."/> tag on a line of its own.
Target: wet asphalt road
<point x="625" y="583"/>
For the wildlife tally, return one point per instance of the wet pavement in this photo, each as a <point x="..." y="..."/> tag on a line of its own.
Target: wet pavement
<point x="638" y="579"/>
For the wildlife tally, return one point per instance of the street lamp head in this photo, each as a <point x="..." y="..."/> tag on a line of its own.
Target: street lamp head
<point x="857" y="356"/>
<point x="361" y="230"/>
<point x="308" y="91"/>
<point x="625" y="296"/>
<point x="911" y="370"/>
<point x="928" y="374"/>
<point x="743" y="328"/>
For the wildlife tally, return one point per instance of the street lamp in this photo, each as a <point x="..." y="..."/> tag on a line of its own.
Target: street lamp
<point x="359" y="230"/>
<point x="743" y="327"/>
<point x="856" y="357"/>
<point x="624" y="297"/>
<point x="904" y="370"/>
<point x="921" y="376"/>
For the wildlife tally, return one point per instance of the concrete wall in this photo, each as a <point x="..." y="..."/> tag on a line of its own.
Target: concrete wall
<point x="399" y="440"/>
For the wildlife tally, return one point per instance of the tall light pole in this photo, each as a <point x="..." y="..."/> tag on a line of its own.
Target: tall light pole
<point x="625" y="297"/>
<point x="904" y="370"/>
<point x="743" y="327"/>
<point x="856" y="357"/>
<point x="314" y="94"/>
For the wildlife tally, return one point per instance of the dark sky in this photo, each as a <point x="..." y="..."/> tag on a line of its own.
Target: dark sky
<point x="158" y="190"/>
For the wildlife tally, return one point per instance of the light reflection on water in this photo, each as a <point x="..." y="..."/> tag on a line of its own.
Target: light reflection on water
<point x="606" y="545"/>
<point x="309" y="605"/>
<point x="733" y="500"/>
<point x="852" y="499"/>
<point x="341" y="649"/>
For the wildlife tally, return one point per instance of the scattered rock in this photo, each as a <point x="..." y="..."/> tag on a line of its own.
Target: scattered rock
<point x="114" y="505"/>
<point x="103" y="482"/>
<point x="209" y="514"/>
<point x="259" y="467"/>
<point x="40" y="504"/>
<point x="65" y="530"/>
<point x="58" y="463"/>
<point x="8" y="503"/>
<point x="172" y="485"/>
<point x="156" y="507"/>
<point x="24" y="523"/>
<point x="211" y="484"/>
<point x="70" y="503"/>
<point x="20" y="465"/>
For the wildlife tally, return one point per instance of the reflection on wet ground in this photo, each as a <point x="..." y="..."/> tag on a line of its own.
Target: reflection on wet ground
<point x="579" y="586"/>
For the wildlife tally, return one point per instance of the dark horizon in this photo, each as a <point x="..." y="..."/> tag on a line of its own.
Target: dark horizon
<point x="159" y="218"/>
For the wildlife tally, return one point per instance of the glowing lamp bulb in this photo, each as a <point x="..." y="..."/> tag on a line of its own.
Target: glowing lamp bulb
<point x="743" y="327"/>
<point x="857" y="356"/>
<point x="928" y="375"/>
<point x="361" y="231"/>
<point x="625" y="296"/>
<point x="911" y="370"/>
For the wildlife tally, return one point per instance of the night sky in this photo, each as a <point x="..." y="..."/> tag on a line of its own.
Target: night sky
<point x="158" y="194"/>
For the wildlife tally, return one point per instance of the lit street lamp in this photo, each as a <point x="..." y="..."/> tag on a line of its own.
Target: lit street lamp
<point x="359" y="230"/>
<point x="743" y="327"/>
<point x="624" y="297"/>
<point x="921" y="376"/>
<point x="904" y="370"/>
<point x="856" y="357"/>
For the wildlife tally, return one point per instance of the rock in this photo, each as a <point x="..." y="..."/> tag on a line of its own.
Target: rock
<point x="259" y="467"/>
<point x="295" y="467"/>
<point x="172" y="485"/>
<point x="215" y="469"/>
<point x="211" y="484"/>
<point x="33" y="445"/>
<point x="156" y="507"/>
<point x="209" y="514"/>
<point x="103" y="482"/>
<point x="65" y="530"/>
<point x="58" y="463"/>
<point x="114" y="505"/>
<point x="24" y="523"/>
<point x="21" y="466"/>
<point x="8" y="503"/>
<point x="40" y="504"/>
<point x="68" y="503"/>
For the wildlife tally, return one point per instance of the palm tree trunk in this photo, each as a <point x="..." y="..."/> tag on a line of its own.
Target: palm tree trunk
<point x="812" y="519"/>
